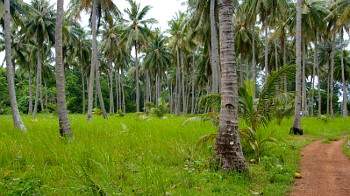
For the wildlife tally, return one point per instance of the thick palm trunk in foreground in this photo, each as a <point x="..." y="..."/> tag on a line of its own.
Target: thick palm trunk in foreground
<point x="17" y="120"/>
<point x="228" y="146"/>
<point x="296" y="125"/>
<point x="64" y="125"/>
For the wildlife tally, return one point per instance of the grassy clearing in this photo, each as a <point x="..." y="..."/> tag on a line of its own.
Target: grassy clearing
<point x="346" y="147"/>
<point x="127" y="155"/>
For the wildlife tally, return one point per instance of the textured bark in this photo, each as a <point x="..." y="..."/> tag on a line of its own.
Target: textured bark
<point x="17" y="120"/>
<point x="64" y="126"/>
<point x="93" y="61"/>
<point x="215" y="65"/>
<point x="30" y="109"/>
<point x="137" y="80"/>
<point x="345" y="109"/>
<point x="296" y="124"/>
<point x="228" y="147"/>
<point x="332" y="77"/>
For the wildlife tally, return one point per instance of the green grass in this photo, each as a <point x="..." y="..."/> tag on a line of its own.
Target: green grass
<point x="330" y="139"/>
<point x="131" y="156"/>
<point x="346" y="147"/>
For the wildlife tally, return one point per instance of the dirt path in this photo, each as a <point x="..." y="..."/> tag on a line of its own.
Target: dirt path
<point x="325" y="171"/>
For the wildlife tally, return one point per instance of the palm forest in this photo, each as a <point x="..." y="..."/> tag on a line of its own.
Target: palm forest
<point x="234" y="97"/>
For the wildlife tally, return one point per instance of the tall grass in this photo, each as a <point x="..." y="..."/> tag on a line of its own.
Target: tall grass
<point x="128" y="155"/>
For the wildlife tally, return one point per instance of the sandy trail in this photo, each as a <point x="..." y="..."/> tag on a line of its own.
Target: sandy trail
<point x="325" y="170"/>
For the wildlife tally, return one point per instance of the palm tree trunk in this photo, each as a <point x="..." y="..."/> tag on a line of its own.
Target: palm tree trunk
<point x="30" y="109"/>
<point x="99" y="92"/>
<point x="332" y="76"/>
<point x="117" y="92"/>
<point x="184" y="111"/>
<point x="41" y="93"/>
<point x="314" y="73"/>
<point x="266" y="51"/>
<point x="276" y="56"/>
<point x="64" y="126"/>
<point x="228" y="146"/>
<point x="122" y="94"/>
<point x="148" y="87"/>
<point x="241" y="79"/>
<point x="137" y="80"/>
<point x="83" y="85"/>
<point x="93" y="61"/>
<point x="177" y="87"/>
<point x="284" y="60"/>
<point x="345" y="100"/>
<point x="215" y="66"/>
<point x="247" y="67"/>
<point x="17" y="120"/>
<point x="319" y="88"/>
<point x="193" y="83"/>
<point x="304" y="107"/>
<point x="328" y="94"/>
<point x="296" y="124"/>
<point x="38" y="81"/>
<point x="45" y="94"/>
<point x="253" y="54"/>
<point x="111" y="100"/>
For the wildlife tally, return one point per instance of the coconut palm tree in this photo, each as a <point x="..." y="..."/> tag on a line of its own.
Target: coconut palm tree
<point x="157" y="59"/>
<point x="18" y="123"/>
<point x="296" y="125"/>
<point x="64" y="126"/>
<point x="100" y="9"/>
<point x="340" y="12"/>
<point x="137" y="33"/>
<point x="228" y="147"/>
<point x="40" y="24"/>
<point x="178" y="45"/>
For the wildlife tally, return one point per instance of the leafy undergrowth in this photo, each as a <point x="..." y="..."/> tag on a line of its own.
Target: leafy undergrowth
<point x="141" y="156"/>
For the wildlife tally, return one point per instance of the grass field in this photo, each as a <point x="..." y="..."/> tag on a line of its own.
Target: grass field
<point x="132" y="156"/>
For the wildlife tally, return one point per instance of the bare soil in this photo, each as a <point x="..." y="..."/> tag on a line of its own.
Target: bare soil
<point x="325" y="171"/>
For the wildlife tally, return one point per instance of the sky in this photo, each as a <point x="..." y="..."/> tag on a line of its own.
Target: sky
<point x="162" y="10"/>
